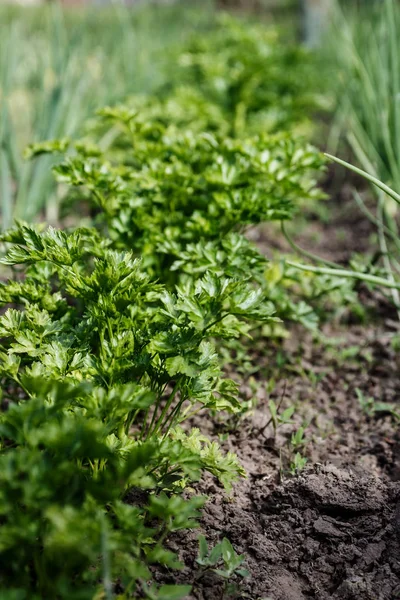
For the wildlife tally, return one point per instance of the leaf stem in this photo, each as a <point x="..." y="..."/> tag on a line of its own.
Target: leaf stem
<point x="168" y="403"/>
<point x="371" y="178"/>
<point x="379" y="281"/>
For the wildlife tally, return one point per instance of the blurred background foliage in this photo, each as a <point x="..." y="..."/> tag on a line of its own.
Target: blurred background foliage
<point x="59" y="62"/>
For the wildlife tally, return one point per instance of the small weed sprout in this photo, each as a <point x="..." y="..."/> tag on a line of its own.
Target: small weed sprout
<point x="371" y="408"/>
<point x="277" y="419"/>
<point x="298" y="439"/>
<point x="297" y="464"/>
<point x="223" y="561"/>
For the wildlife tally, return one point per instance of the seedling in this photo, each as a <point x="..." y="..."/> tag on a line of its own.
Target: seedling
<point x="372" y="408"/>
<point x="277" y="419"/>
<point x="298" y="439"/>
<point x="222" y="560"/>
<point x="298" y="463"/>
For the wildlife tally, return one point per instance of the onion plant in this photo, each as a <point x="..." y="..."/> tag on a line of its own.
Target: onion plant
<point x="365" y="48"/>
<point x="389" y="276"/>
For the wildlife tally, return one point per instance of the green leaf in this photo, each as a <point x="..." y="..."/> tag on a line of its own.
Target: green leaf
<point x="173" y="592"/>
<point x="203" y="549"/>
<point x="215" y="554"/>
<point x="47" y="147"/>
<point x="179" y="365"/>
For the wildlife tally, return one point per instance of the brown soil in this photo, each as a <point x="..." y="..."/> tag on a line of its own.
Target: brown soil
<point x="329" y="533"/>
<point x="333" y="530"/>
